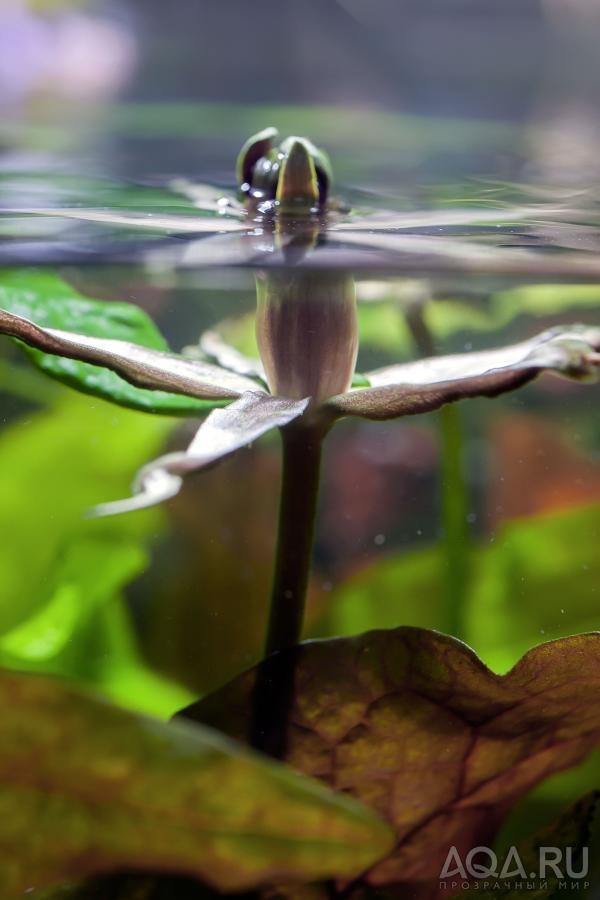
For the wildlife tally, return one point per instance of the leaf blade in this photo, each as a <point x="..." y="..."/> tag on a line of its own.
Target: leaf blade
<point x="111" y="350"/>
<point x="412" y="723"/>
<point x="427" y="384"/>
<point x="103" y="789"/>
<point x="223" y="432"/>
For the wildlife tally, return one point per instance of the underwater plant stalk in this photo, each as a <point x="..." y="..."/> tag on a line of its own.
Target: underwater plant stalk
<point x="298" y="503"/>
<point x="453" y="489"/>
<point x="307" y="335"/>
<point x="454" y="503"/>
<point x="274" y="687"/>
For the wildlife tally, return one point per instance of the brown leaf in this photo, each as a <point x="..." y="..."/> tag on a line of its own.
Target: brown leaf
<point x="412" y="723"/>
<point x="141" y="366"/>
<point x="223" y="432"/>
<point x="427" y="384"/>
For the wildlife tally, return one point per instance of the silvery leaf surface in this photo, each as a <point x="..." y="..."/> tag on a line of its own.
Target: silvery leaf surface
<point x="223" y="432"/>
<point x="215" y="348"/>
<point x="154" y="221"/>
<point x="421" y="386"/>
<point x="141" y="366"/>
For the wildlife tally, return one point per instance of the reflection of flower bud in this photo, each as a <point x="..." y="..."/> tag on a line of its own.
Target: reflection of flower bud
<point x="307" y="333"/>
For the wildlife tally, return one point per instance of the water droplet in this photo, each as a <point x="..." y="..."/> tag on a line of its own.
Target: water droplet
<point x="379" y="539"/>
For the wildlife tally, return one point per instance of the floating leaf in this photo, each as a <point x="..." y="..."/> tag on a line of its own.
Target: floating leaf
<point x="413" y="724"/>
<point x="417" y="253"/>
<point x="148" y="221"/>
<point x="427" y="384"/>
<point x="86" y="788"/>
<point x="112" y="336"/>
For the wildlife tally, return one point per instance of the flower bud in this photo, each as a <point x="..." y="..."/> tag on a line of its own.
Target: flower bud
<point x="257" y="147"/>
<point x="295" y="174"/>
<point x="307" y="333"/>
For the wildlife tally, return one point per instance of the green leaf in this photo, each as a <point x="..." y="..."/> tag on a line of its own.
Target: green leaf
<point x="62" y="575"/>
<point x="413" y="724"/>
<point x="86" y="788"/>
<point x="538" y="580"/>
<point x="89" y="572"/>
<point x="117" y="668"/>
<point x="52" y="303"/>
<point x="54" y="465"/>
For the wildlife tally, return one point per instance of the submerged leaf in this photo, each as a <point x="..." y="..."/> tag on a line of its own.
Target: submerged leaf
<point x="89" y="573"/>
<point x="130" y="362"/>
<point x="427" y="384"/>
<point x="61" y="609"/>
<point x="212" y="345"/>
<point x="149" y="369"/>
<point x="223" y="432"/>
<point x="413" y="724"/>
<point x="87" y="788"/>
<point x="53" y="465"/>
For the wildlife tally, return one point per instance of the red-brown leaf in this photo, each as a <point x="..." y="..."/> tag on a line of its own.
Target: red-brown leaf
<point x="412" y="723"/>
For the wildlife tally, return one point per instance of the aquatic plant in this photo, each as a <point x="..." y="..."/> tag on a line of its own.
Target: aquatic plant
<point x="355" y="712"/>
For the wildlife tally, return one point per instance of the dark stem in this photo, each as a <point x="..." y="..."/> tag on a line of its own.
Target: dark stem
<point x="297" y="508"/>
<point x="273" y="692"/>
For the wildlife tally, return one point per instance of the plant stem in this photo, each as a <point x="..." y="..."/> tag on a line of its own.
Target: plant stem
<point x="455" y="502"/>
<point x="454" y="492"/>
<point x="297" y="509"/>
<point x="274" y="688"/>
